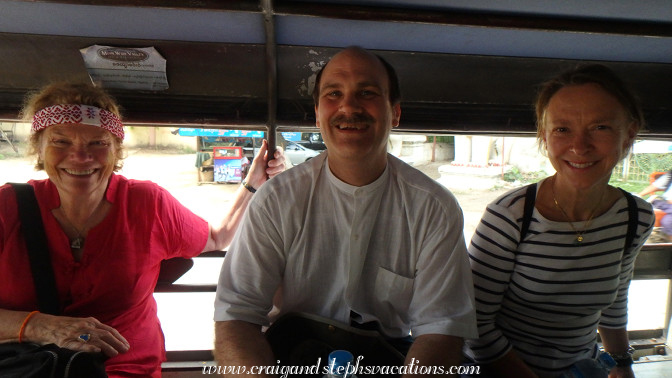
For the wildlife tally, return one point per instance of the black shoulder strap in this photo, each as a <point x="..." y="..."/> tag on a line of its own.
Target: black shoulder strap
<point x="530" y="196"/>
<point x="633" y="219"/>
<point x="38" y="250"/>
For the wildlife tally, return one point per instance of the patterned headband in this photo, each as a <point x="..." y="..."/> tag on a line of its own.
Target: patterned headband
<point x="82" y="114"/>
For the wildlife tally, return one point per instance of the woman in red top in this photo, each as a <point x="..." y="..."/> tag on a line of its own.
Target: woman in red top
<point x="107" y="235"/>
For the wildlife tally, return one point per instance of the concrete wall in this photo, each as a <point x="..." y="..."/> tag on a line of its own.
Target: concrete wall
<point x="486" y="151"/>
<point x="21" y="130"/>
<point x="420" y="148"/>
<point x="157" y="137"/>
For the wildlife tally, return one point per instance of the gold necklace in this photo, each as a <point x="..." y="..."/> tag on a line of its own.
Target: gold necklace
<point x="78" y="242"/>
<point x="579" y="234"/>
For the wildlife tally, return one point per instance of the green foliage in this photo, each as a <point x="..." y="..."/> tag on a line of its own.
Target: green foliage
<point x="642" y="165"/>
<point x="640" y="168"/>
<point x="652" y="162"/>
<point x="443" y="139"/>
<point x="515" y="174"/>
<point x="512" y="174"/>
<point x="628" y="186"/>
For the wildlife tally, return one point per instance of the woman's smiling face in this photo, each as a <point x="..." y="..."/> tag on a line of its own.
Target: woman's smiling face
<point x="78" y="158"/>
<point x="586" y="133"/>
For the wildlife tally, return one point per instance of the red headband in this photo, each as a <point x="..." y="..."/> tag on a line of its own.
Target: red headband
<point x="81" y="114"/>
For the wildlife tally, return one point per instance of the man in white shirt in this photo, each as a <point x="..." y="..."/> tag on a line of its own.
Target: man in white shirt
<point x="354" y="235"/>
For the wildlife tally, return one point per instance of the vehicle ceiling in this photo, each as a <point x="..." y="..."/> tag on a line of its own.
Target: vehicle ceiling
<point x="465" y="66"/>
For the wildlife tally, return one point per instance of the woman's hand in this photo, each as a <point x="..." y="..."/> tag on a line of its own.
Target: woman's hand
<point x="622" y="372"/>
<point x="83" y="334"/>
<point x="258" y="173"/>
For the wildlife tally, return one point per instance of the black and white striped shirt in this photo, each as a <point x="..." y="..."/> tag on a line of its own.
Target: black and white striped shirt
<point x="546" y="296"/>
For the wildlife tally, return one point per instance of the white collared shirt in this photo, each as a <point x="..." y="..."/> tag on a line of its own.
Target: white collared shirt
<point x="392" y="251"/>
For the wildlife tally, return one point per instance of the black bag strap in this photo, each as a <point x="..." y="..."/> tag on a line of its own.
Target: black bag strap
<point x="633" y="219"/>
<point x="530" y="196"/>
<point x="38" y="250"/>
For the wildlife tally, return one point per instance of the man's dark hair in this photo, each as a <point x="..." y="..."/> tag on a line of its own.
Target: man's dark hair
<point x="393" y="81"/>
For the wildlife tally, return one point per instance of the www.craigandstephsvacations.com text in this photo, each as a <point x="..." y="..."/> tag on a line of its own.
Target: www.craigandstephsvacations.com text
<point x="356" y="368"/>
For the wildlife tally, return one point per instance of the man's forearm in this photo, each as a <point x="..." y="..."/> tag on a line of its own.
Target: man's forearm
<point x="241" y="344"/>
<point x="435" y="350"/>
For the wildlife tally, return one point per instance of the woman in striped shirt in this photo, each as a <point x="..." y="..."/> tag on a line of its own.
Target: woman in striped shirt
<point x="541" y="294"/>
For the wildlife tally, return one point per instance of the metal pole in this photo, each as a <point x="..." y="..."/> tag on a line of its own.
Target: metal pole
<point x="271" y="75"/>
<point x="503" y="158"/>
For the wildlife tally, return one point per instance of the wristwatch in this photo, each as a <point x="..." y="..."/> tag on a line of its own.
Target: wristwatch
<point x="249" y="187"/>
<point x="625" y="358"/>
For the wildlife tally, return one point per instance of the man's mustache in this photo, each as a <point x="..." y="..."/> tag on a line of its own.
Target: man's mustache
<point x="353" y="119"/>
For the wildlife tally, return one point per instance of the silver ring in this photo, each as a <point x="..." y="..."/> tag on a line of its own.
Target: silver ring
<point x="84" y="337"/>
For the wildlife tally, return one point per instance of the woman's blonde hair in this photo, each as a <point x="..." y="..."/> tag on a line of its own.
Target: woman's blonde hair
<point x="69" y="93"/>
<point x="588" y="74"/>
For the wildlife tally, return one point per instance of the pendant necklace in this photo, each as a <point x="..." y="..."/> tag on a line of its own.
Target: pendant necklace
<point x="78" y="242"/>
<point x="579" y="234"/>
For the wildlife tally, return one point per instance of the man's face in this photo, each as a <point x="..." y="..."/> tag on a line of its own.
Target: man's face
<point x="353" y="112"/>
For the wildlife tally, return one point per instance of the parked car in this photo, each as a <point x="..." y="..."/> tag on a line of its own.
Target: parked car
<point x="313" y="145"/>
<point x="297" y="153"/>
